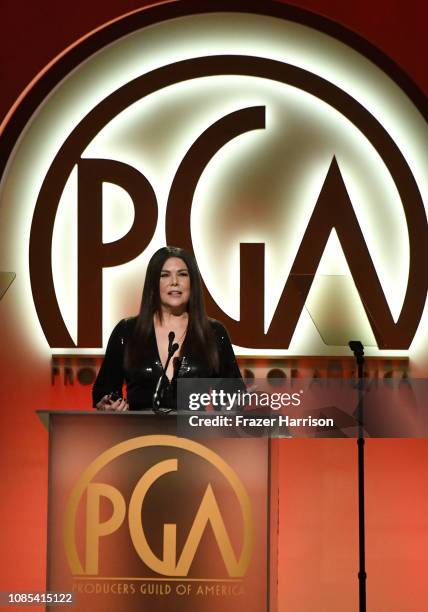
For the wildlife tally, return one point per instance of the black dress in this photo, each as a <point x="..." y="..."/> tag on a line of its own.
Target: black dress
<point x="141" y="383"/>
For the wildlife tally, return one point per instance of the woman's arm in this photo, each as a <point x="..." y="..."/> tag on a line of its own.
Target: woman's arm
<point x="228" y="366"/>
<point x="230" y="376"/>
<point x="111" y="375"/>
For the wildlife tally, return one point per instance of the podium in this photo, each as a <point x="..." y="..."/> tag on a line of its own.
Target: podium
<point x="141" y="519"/>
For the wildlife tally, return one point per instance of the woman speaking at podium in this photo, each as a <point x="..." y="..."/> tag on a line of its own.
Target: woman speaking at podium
<point x="171" y="337"/>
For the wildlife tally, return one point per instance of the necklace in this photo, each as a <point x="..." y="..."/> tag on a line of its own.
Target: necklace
<point x="165" y="327"/>
<point x="178" y="340"/>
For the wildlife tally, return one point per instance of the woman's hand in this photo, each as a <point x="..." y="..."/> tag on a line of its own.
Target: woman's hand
<point x="106" y="403"/>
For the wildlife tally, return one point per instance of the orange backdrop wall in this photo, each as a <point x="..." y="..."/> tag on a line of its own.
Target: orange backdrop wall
<point x="318" y="559"/>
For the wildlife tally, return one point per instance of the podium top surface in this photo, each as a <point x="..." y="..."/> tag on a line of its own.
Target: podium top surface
<point x="45" y="415"/>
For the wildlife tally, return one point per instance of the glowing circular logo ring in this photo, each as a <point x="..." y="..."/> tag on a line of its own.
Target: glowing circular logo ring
<point x="145" y="442"/>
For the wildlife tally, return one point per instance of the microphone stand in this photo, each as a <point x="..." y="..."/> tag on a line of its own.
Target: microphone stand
<point x="358" y="350"/>
<point x="157" y="409"/>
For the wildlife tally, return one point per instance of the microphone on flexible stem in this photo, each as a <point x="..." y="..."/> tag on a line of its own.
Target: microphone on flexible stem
<point x="171" y="337"/>
<point x="163" y="379"/>
<point x="171" y="349"/>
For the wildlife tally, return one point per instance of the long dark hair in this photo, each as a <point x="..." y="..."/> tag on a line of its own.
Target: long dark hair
<point x="200" y="337"/>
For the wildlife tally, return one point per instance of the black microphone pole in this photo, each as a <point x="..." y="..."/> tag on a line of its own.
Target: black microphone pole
<point x="358" y="350"/>
<point x="156" y="399"/>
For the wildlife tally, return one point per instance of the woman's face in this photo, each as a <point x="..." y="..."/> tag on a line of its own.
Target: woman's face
<point x="174" y="286"/>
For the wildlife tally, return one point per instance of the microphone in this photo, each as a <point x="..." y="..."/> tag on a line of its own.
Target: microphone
<point x="171" y="348"/>
<point x="171" y="337"/>
<point x="358" y="349"/>
<point x="163" y="379"/>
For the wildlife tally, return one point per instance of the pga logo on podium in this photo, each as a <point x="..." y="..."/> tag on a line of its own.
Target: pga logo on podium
<point x="89" y="491"/>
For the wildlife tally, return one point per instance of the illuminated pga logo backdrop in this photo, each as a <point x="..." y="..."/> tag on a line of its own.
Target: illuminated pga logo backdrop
<point x="289" y="163"/>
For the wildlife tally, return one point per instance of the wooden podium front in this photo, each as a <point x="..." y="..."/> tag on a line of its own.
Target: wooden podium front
<point x="140" y="519"/>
